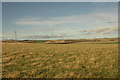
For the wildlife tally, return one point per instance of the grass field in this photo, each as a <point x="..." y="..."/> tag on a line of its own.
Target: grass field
<point x="76" y="60"/>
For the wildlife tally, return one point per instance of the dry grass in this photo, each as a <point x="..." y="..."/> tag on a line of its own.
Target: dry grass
<point x="77" y="60"/>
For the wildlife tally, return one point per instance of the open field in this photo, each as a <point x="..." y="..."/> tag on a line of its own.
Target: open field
<point x="76" y="60"/>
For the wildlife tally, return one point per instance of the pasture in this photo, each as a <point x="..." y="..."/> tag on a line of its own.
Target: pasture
<point x="76" y="60"/>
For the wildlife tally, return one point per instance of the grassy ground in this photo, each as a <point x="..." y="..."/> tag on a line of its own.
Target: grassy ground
<point x="109" y="43"/>
<point x="77" y="60"/>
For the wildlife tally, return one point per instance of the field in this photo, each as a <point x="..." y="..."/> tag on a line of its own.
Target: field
<point x="76" y="60"/>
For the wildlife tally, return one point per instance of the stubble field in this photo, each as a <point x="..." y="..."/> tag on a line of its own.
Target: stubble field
<point x="77" y="60"/>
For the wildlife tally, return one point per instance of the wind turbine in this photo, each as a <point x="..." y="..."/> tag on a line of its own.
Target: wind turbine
<point x="15" y="37"/>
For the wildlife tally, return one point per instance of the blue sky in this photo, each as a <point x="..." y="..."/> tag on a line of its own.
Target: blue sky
<point x="60" y="0"/>
<point x="50" y="20"/>
<point x="0" y="20"/>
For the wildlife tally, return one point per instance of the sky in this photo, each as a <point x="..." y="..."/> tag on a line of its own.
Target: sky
<point x="59" y="20"/>
<point x="60" y="0"/>
<point x="0" y="20"/>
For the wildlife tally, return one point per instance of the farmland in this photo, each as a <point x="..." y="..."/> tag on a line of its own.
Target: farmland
<point x="76" y="60"/>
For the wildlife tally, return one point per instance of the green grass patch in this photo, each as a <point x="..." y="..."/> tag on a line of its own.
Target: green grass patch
<point x="34" y="41"/>
<point x="60" y="60"/>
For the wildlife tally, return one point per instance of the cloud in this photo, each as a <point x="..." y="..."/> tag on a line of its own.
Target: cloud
<point x="108" y="18"/>
<point x="105" y="30"/>
<point x="45" y="36"/>
<point x="48" y="21"/>
<point x="0" y="34"/>
<point x="99" y="30"/>
<point x="77" y="19"/>
<point x="83" y="30"/>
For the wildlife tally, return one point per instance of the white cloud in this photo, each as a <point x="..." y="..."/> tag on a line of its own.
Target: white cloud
<point x="104" y="30"/>
<point x="79" y="19"/>
<point x="83" y="30"/>
<point x="108" y="30"/>
<point x="104" y="17"/>
<point x="46" y="36"/>
<point x="99" y="30"/>
<point x="49" y="21"/>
